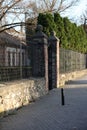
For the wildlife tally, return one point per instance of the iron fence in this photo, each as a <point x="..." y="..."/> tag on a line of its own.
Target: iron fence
<point x="71" y="61"/>
<point x="14" y="63"/>
<point x="14" y="73"/>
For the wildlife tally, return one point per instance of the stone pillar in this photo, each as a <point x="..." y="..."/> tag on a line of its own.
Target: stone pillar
<point x="53" y="61"/>
<point x="38" y="48"/>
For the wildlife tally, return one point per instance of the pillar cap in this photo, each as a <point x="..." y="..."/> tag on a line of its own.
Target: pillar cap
<point x="39" y="28"/>
<point x="53" y="37"/>
<point x="39" y="32"/>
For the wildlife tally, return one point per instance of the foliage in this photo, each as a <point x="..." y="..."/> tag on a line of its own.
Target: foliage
<point x="60" y="30"/>
<point x="47" y="20"/>
<point x="71" y="36"/>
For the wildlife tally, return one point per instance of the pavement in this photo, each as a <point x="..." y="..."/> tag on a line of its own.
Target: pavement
<point x="47" y="113"/>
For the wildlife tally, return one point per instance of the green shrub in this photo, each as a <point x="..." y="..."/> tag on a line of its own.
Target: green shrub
<point x="71" y="36"/>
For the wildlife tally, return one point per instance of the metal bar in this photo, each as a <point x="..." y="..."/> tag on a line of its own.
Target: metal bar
<point x="62" y="97"/>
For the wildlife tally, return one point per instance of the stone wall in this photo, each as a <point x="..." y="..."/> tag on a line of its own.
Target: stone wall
<point x="71" y="76"/>
<point x="14" y="95"/>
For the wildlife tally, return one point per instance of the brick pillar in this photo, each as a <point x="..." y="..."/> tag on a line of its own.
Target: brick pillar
<point x="53" y="61"/>
<point x="38" y="49"/>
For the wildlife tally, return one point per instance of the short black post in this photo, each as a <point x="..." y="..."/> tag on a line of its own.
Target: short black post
<point x="62" y="97"/>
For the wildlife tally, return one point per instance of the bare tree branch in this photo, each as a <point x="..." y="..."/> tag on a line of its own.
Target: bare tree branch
<point x="18" y="7"/>
<point x="8" y="7"/>
<point x="63" y="6"/>
<point x="12" y="25"/>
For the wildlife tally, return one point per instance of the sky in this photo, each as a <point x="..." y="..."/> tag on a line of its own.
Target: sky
<point x="74" y="13"/>
<point x="81" y="7"/>
<point x="77" y="11"/>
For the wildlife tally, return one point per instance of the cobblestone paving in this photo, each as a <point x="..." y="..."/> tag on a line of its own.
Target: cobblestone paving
<point x="47" y="113"/>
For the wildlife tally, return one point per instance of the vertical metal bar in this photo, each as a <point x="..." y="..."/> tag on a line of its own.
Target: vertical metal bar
<point x="62" y="97"/>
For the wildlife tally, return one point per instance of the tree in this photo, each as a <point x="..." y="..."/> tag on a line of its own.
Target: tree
<point x="55" y="5"/>
<point x="5" y="7"/>
<point x="30" y="9"/>
<point x="71" y="36"/>
<point x="15" y="8"/>
<point x="60" y="29"/>
<point x="47" y="20"/>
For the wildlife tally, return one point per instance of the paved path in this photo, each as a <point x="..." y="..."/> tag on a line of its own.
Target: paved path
<point x="48" y="114"/>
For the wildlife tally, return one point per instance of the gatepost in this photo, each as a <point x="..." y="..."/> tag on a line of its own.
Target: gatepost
<point x="39" y="54"/>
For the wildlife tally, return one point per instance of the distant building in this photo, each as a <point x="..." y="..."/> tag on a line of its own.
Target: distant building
<point x="13" y="51"/>
<point x="20" y="34"/>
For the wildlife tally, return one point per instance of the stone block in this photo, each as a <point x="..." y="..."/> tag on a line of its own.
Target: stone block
<point x="16" y="94"/>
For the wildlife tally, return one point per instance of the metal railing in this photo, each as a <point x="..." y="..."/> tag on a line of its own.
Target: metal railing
<point x="13" y="63"/>
<point x="14" y="73"/>
<point x="71" y="61"/>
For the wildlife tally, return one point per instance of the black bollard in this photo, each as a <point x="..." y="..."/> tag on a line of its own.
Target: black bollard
<point x="62" y="97"/>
